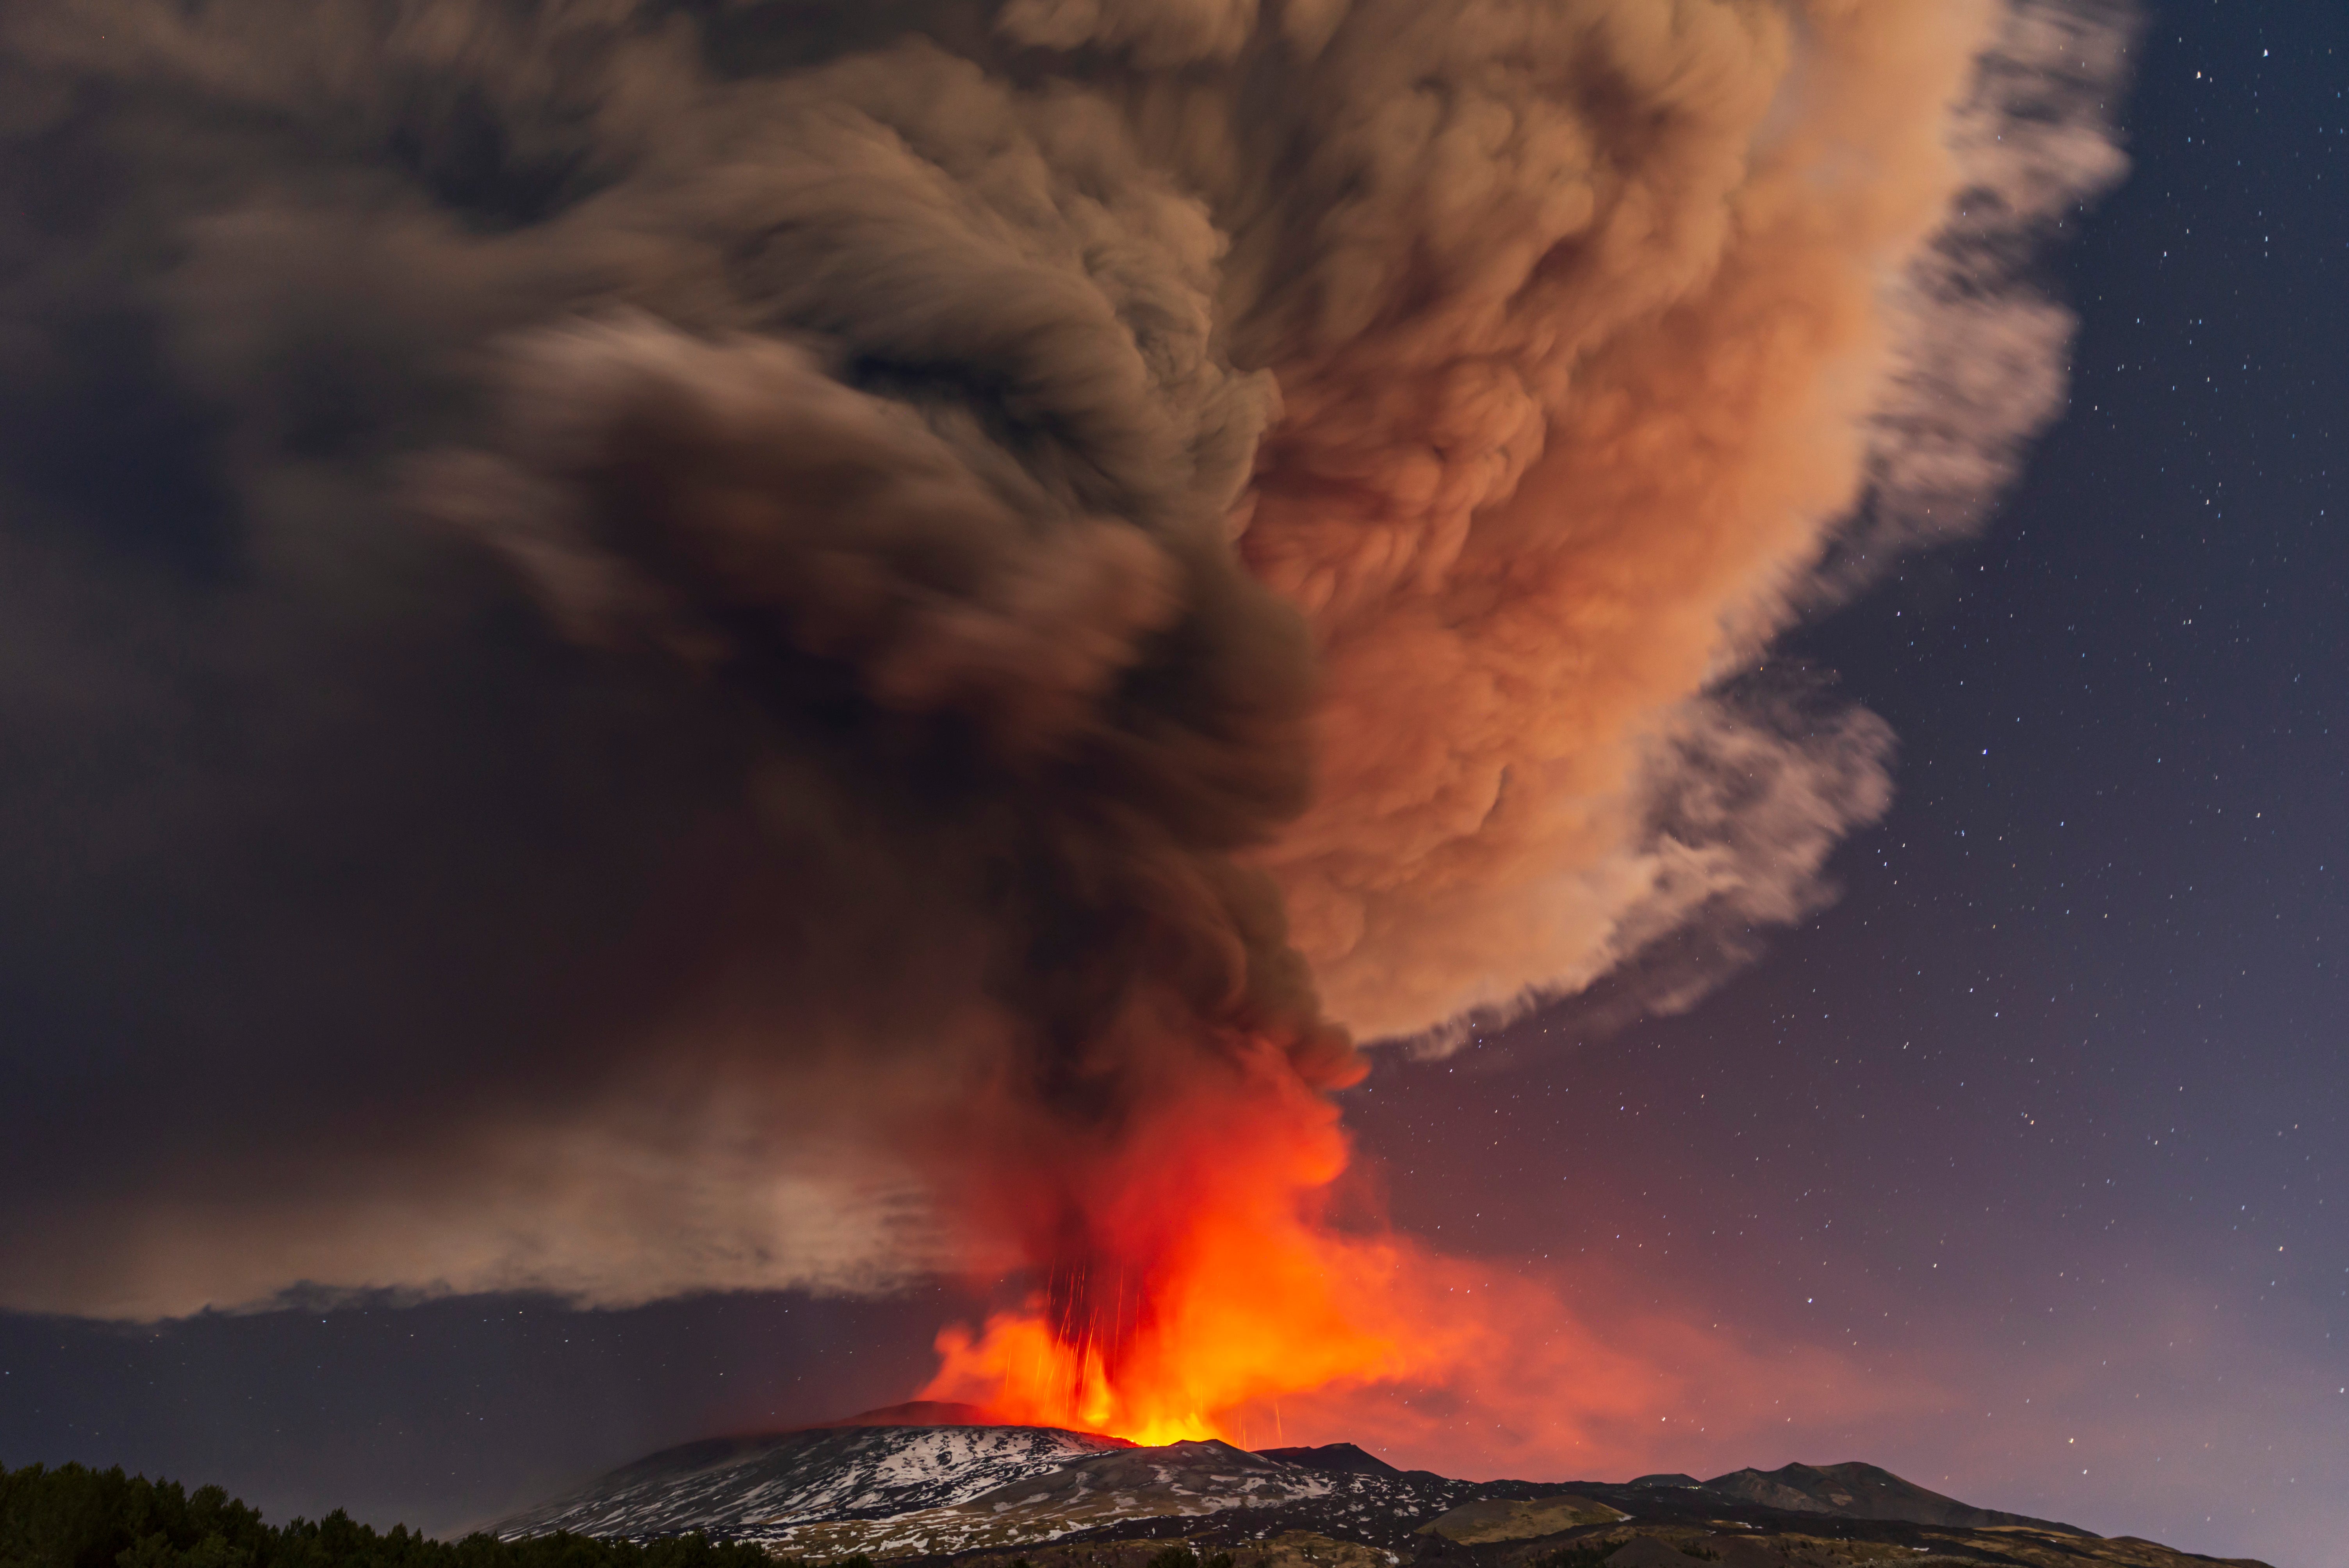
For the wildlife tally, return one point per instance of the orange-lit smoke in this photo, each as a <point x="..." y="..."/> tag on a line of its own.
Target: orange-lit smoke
<point x="1239" y="530"/>
<point x="1207" y="1284"/>
<point x="1192" y="1273"/>
<point x="1580" y="320"/>
<point x="1207" y="1290"/>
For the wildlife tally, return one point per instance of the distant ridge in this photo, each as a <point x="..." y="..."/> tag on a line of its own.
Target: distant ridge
<point x="1855" y="1490"/>
<point x="1339" y="1459"/>
<point x="916" y="1413"/>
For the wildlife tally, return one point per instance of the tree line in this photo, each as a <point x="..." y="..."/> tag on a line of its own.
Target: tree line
<point x="75" y="1517"/>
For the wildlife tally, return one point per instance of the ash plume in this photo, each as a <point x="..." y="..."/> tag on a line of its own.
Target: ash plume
<point x="658" y="647"/>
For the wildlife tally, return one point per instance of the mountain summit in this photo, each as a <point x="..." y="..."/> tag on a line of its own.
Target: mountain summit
<point x="924" y="1481"/>
<point x="1855" y="1490"/>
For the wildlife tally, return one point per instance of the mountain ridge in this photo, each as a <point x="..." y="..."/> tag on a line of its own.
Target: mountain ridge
<point x="914" y="1486"/>
<point x="1858" y="1490"/>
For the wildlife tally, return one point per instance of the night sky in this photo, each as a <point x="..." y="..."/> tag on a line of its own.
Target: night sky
<point x="2040" y="1122"/>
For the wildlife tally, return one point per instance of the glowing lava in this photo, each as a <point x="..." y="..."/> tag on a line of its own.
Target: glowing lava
<point x="1191" y="1282"/>
<point x="1191" y="1275"/>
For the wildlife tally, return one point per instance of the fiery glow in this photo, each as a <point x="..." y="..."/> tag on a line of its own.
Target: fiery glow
<point x="1191" y="1277"/>
<point x="1256" y="1321"/>
<point x="1195" y="1281"/>
<point x="1233" y="1318"/>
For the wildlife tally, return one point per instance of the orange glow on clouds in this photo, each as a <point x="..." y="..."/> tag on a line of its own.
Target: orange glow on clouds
<point x="1195" y="1286"/>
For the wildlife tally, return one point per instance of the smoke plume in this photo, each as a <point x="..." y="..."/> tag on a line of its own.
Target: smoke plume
<point x="662" y="644"/>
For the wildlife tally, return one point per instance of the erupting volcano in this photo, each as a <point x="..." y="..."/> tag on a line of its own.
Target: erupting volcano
<point x="1194" y="1275"/>
<point x="1010" y="580"/>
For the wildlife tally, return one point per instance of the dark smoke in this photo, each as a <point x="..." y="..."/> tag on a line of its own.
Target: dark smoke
<point x="863" y="438"/>
<point x="670" y="645"/>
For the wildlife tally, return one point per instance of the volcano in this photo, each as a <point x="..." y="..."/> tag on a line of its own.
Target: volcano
<point x="931" y="1484"/>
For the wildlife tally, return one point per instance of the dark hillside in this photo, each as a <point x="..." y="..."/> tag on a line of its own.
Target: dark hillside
<point x="73" y="1517"/>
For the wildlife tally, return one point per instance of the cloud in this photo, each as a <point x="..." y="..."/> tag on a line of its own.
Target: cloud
<point x="1981" y="357"/>
<point x="652" y="649"/>
<point x="1577" y="415"/>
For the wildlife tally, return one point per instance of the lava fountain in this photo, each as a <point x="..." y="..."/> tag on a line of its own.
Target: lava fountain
<point x="1193" y="1275"/>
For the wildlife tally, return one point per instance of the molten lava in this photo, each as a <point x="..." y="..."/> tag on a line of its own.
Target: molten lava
<point x="1189" y="1278"/>
<point x="1191" y="1282"/>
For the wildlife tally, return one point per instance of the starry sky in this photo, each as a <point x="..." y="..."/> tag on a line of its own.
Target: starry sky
<point x="2040" y="1122"/>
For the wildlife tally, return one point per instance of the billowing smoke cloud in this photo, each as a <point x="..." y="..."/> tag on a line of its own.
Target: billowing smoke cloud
<point x="1544" y="504"/>
<point x="656" y="647"/>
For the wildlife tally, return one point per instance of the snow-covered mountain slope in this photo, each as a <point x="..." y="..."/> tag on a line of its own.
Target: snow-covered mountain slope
<point x="758" y="1487"/>
<point x="1153" y="1489"/>
<point x="895" y="1491"/>
<point x="1076" y="1500"/>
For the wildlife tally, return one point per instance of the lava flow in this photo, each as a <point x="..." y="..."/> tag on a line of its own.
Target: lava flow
<point x="1194" y="1274"/>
